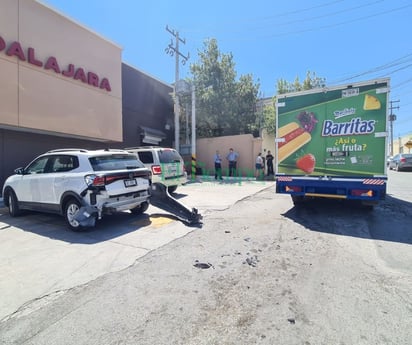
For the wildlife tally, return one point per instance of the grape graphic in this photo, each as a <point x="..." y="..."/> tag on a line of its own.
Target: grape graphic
<point x="307" y="120"/>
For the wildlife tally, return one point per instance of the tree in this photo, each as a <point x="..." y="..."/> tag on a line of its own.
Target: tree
<point x="269" y="117"/>
<point x="311" y="81"/>
<point x="224" y="106"/>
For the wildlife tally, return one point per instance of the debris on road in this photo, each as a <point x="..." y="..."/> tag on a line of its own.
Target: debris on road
<point x="202" y="265"/>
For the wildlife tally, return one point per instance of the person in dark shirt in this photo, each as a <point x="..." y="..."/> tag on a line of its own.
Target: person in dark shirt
<point x="232" y="157"/>
<point x="269" y="163"/>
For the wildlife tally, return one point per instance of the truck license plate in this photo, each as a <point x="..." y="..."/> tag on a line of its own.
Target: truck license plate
<point x="130" y="183"/>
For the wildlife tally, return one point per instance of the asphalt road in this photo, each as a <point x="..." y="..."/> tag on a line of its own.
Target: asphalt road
<point x="259" y="271"/>
<point x="40" y="257"/>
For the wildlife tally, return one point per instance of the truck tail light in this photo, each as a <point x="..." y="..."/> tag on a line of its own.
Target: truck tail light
<point x="362" y="192"/>
<point x="292" y="189"/>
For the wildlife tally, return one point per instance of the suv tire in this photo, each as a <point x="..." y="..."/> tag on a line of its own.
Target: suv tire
<point x="140" y="209"/>
<point x="14" y="209"/>
<point x="71" y="208"/>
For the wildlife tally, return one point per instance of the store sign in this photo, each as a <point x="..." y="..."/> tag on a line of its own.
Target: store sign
<point x="51" y="63"/>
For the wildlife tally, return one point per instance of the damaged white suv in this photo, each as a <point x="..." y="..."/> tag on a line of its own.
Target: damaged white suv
<point x="82" y="185"/>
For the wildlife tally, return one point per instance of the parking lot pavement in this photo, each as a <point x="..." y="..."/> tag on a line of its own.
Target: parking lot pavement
<point x="40" y="258"/>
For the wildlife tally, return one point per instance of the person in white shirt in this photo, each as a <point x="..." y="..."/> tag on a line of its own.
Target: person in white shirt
<point x="259" y="165"/>
<point x="218" y="165"/>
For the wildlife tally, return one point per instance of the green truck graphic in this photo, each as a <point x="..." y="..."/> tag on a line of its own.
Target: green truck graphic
<point x="340" y="131"/>
<point x="332" y="142"/>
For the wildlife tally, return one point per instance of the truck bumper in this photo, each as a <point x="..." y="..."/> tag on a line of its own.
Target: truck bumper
<point x="365" y="189"/>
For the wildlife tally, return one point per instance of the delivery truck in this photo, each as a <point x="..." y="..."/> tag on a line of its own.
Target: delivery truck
<point x="332" y="142"/>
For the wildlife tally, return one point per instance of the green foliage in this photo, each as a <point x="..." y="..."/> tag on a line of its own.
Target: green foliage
<point x="269" y="117"/>
<point x="224" y="105"/>
<point x="311" y="82"/>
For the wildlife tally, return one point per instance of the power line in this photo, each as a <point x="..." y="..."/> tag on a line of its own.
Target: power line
<point x="228" y="22"/>
<point x="340" y="23"/>
<point x="243" y="38"/>
<point x="326" y="15"/>
<point x="380" y="68"/>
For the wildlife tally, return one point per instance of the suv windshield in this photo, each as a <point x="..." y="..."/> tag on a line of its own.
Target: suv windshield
<point x="115" y="162"/>
<point x="169" y="156"/>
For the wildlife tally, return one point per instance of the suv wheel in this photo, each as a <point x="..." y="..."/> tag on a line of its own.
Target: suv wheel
<point x="70" y="210"/>
<point x="14" y="209"/>
<point x="141" y="208"/>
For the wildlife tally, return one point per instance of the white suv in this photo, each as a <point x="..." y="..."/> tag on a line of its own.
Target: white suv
<point x="81" y="185"/>
<point x="166" y="165"/>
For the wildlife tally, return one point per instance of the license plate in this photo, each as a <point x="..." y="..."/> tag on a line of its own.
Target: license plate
<point x="130" y="183"/>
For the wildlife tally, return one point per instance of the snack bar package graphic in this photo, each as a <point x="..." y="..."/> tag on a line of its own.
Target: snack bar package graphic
<point x="294" y="138"/>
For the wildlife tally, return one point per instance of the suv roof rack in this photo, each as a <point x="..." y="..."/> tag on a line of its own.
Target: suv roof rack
<point x="113" y="150"/>
<point x="66" y="150"/>
<point x="143" y="147"/>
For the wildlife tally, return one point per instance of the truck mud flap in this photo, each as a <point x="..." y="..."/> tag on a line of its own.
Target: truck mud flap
<point x="161" y="198"/>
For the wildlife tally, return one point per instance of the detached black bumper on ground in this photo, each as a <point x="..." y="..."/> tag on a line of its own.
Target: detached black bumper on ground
<point x="161" y="198"/>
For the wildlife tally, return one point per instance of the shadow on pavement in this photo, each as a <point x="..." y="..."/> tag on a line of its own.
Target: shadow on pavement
<point x="54" y="226"/>
<point x="391" y="220"/>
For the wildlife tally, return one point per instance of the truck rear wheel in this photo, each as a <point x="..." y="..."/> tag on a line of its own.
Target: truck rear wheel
<point x="368" y="205"/>
<point x="298" y="199"/>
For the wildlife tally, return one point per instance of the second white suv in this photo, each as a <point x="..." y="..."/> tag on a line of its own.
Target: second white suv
<point x="80" y="184"/>
<point x="166" y="165"/>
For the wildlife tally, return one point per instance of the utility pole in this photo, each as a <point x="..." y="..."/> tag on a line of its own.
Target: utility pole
<point x="174" y="50"/>
<point x="392" y="117"/>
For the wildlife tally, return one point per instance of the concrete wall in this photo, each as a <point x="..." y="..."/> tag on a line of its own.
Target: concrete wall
<point x="246" y="145"/>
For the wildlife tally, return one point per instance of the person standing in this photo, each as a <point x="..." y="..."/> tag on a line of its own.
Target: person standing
<point x="218" y="165"/>
<point x="259" y="166"/>
<point x="232" y="158"/>
<point x="269" y="163"/>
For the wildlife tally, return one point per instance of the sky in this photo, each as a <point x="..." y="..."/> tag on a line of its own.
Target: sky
<point x="343" y="41"/>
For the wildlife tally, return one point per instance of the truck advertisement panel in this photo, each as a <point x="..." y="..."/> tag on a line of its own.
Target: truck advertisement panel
<point x="340" y="131"/>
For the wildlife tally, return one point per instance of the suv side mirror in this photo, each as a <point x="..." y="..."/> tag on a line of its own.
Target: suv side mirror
<point x="19" y="171"/>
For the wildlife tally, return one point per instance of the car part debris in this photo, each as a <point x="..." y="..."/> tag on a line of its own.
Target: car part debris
<point x="252" y="261"/>
<point x="161" y="198"/>
<point x="202" y="265"/>
<point x="86" y="216"/>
